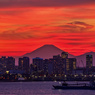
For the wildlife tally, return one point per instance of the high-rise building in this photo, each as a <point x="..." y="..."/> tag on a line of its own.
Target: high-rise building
<point x="50" y="66"/>
<point x="33" y="68"/>
<point x="3" y="61"/>
<point x="38" y="62"/>
<point x="24" y="64"/>
<point x="89" y="61"/>
<point x="64" y="55"/>
<point x="62" y="64"/>
<point x="56" y="65"/>
<point x="70" y="65"/>
<point x="59" y="65"/>
<point x="45" y="65"/>
<point x="10" y="63"/>
<point x="21" y="61"/>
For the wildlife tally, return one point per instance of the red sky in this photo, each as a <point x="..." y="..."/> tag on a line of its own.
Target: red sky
<point x="26" y="25"/>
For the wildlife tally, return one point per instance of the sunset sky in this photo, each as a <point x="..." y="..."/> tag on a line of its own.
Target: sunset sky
<point x="26" y="25"/>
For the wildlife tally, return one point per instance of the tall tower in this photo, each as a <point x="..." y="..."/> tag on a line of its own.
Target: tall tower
<point x="64" y="55"/>
<point x="70" y="65"/>
<point x="89" y="61"/>
<point x="24" y="64"/>
<point x="10" y="63"/>
<point x="38" y="62"/>
<point x="3" y="61"/>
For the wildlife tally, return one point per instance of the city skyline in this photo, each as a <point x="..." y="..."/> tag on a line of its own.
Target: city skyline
<point x="48" y="51"/>
<point x="46" y="44"/>
<point x="26" y="25"/>
<point x="57" y="67"/>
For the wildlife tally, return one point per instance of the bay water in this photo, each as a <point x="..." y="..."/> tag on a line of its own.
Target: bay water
<point x="38" y="88"/>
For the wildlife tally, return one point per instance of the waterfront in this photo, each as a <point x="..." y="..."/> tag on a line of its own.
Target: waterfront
<point x="37" y="88"/>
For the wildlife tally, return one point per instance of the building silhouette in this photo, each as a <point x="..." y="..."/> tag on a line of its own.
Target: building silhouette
<point x="10" y="63"/>
<point x="45" y="65"/>
<point x="64" y="54"/>
<point x="3" y="60"/>
<point x="89" y="64"/>
<point x="59" y="65"/>
<point x="70" y="65"/>
<point x="89" y="61"/>
<point x="38" y="62"/>
<point x="24" y="64"/>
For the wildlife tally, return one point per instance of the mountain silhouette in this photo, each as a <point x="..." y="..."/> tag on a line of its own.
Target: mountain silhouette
<point x="81" y="60"/>
<point x="45" y="52"/>
<point x="48" y="51"/>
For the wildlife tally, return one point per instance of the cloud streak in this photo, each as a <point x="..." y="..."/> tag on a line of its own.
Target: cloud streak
<point x="43" y="3"/>
<point x="12" y="35"/>
<point x="75" y="27"/>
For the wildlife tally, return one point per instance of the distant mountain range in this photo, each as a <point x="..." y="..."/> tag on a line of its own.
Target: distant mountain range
<point x="81" y="60"/>
<point x="48" y="51"/>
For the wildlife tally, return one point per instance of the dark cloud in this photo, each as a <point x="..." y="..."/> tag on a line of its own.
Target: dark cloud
<point x="72" y="39"/>
<point x="42" y="3"/>
<point x="12" y="35"/>
<point x="82" y="23"/>
<point x="76" y="27"/>
<point x="75" y="43"/>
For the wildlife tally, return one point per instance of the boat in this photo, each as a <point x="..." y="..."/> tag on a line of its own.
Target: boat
<point x="81" y="86"/>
